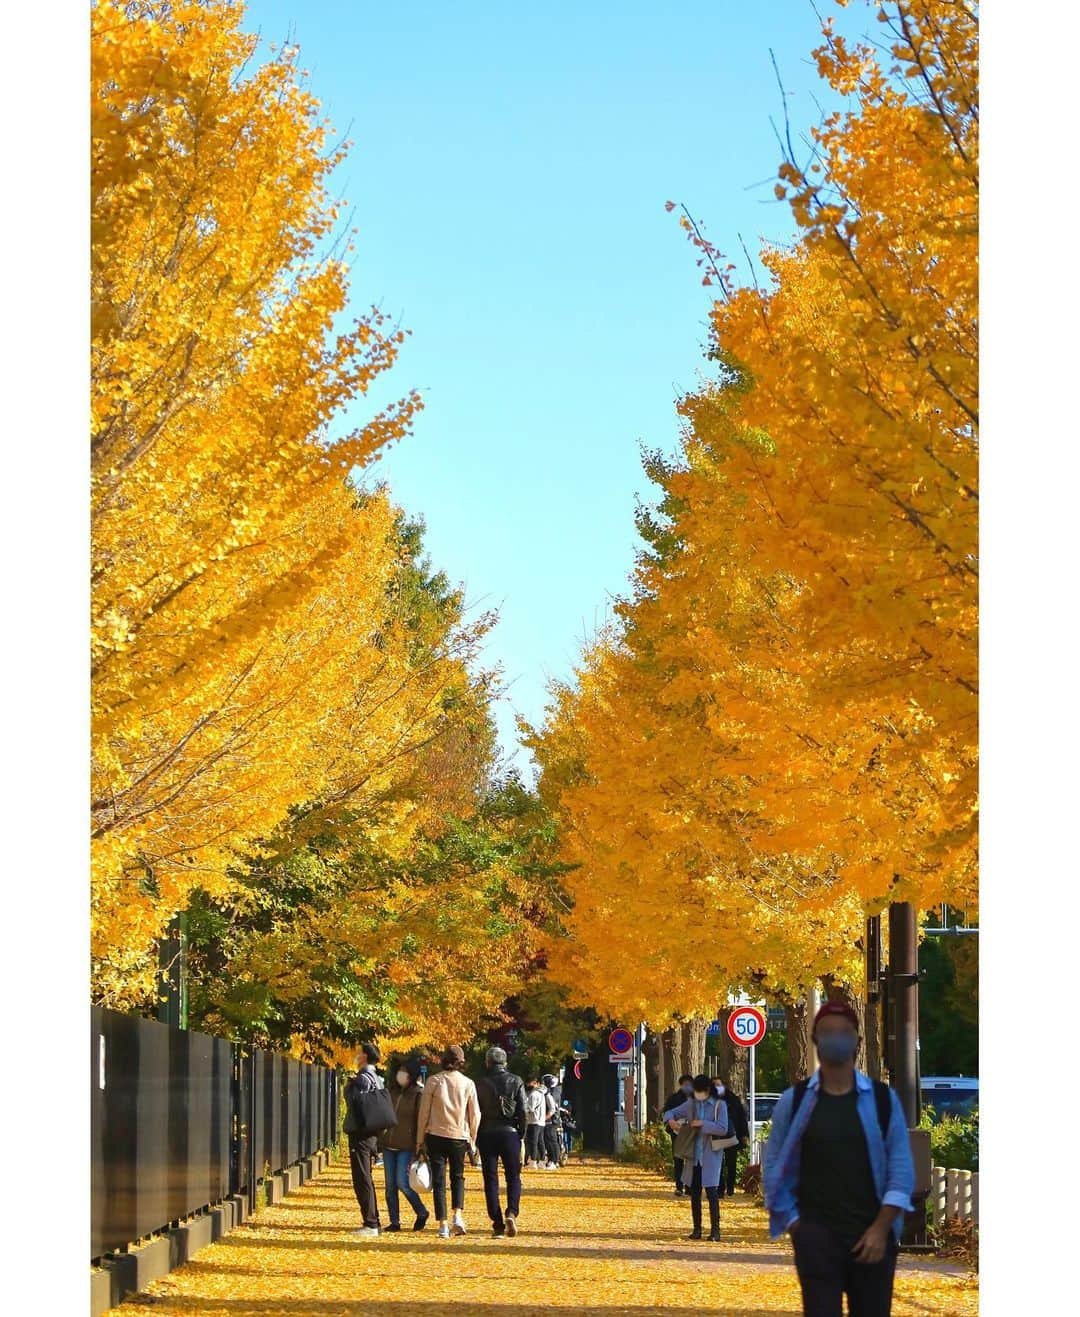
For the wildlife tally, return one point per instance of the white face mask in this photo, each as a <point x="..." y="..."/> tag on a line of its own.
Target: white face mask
<point x="720" y="1090"/>
<point x="403" y="1077"/>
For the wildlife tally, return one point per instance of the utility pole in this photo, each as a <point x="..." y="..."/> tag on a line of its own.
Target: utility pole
<point x="903" y="1029"/>
<point x="902" y="986"/>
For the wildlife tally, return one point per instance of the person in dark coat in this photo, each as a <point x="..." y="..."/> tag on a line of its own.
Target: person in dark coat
<point x="740" y="1126"/>
<point x="686" y="1087"/>
<point x="363" y="1149"/>
<point x="501" y="1095"/>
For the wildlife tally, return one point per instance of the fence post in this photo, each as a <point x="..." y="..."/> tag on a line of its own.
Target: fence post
<point x="965" y="1196"/>
<point x="952" y="1193"/>
<point x="253" y="1160"/>
<point x="975" y="1198"/>
<point x="938" y="1193"/>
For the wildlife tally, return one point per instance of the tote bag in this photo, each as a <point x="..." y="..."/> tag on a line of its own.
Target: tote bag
<point x="420" y="1176"/>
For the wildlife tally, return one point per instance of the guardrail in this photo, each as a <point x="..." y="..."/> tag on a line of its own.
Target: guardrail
<point x="954" y="1195"/>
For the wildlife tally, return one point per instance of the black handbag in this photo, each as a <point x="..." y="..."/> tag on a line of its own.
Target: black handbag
<point x="369" y="1113"/>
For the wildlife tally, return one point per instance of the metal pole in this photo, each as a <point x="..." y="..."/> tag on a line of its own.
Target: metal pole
<point x="904" y="996"/>
<point x="753" y="1102"/>
<point x="252" y="1157"/>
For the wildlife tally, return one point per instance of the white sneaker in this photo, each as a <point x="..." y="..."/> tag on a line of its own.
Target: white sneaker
<point x="444" y="1230"/>
<point x="367" y="1232"/>
<point x="459" y="1224"/>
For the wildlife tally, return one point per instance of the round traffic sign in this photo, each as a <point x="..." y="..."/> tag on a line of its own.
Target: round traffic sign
<point x="577" y="1069"/>
<point x="621" y="1041"/>
<point x="746" y="1025"/>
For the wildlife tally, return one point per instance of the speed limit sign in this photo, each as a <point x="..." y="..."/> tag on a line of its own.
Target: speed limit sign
<point x="746" y="1025"/>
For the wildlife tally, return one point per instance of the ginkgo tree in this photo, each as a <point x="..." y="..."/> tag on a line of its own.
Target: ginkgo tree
<point x="779" y="735"/>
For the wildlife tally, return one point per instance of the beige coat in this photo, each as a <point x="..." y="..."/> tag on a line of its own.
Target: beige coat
<point x="449" y="1107"/>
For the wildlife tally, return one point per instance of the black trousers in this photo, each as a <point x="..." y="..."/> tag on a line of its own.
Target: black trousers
<point x="713" y="1194"/>
<point x="534" y="1141"/>
<point x="362" y="1152"/>
<point x="442" y="1152"/>
<point x="727" y="1171"/>
<point x="501" y="1144"/>
<point x="678" y="1162"/>
<point x="827" y="1271"/>
<point x="553" y="1141"/>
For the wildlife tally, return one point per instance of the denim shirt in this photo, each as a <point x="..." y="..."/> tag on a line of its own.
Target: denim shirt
<point x="890" y="1158"/>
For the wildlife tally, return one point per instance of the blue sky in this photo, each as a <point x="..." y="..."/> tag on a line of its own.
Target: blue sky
<point x="508" y="181"/>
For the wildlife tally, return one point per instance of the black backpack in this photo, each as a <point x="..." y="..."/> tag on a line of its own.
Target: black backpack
<point x="882" y="1100"/>
<point x="507" y="1095"/>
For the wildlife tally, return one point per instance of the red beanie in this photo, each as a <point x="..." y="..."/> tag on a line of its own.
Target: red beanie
<point x="835" y="1008"/>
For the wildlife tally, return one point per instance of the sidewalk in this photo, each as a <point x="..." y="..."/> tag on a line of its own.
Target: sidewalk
<point x="598" y="1238"/>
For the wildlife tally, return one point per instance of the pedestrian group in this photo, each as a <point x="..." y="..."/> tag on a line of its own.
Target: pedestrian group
<point x="426" y="1131"/>
<point x="838" y="1174"/>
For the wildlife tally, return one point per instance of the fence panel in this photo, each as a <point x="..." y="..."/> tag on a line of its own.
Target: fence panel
<point x="171" y="1115"/>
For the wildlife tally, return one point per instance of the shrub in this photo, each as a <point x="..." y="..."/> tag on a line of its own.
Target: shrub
<point x="651" y="1148"/>
<point x="954" y="1140"/>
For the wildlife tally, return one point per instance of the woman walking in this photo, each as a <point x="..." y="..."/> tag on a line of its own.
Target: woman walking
<point x="702" y="1124"/>
<point x="447" y="1127"/>
<point x="399" y="1144"/>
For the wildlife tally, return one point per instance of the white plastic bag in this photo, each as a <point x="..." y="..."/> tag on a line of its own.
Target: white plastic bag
<point x="420" y="1176"/>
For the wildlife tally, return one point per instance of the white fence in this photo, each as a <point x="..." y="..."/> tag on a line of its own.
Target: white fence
<point x="954" y="1195"/>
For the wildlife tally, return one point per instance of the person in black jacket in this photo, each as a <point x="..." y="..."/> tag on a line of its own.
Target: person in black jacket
<point x="501" y="1096"/>
<point x="738" y="1124"/>
<point x="364" y="1148"/>
<point x="685" y="1089"/>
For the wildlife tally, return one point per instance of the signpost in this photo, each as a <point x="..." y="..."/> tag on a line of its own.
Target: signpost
<point x="746" y="1026"/>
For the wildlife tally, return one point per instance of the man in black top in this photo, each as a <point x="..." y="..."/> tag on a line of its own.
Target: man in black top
<point x="676" y="1099"/>
<point x="839" y="1176"/>
<point x="740" y="1126"/>
<point x="364" y="1148"/>
<point x="501" y="1096"/>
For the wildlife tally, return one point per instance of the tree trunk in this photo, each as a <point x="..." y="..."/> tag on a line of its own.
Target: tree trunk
<point x="654" y="1078"/>
<point x="669" y="1047"/>
<point x="734" y="1065"/>
<point x="799" y="1059"/>
<point x="692" y="1045"/>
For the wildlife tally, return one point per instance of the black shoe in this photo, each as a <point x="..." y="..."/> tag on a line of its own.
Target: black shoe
<point x="680" y="1192"/>
<point x="695" y="1233"/>
<point x="714" y="1236"/>
<point x="498" y="1232"/>
<point x="422" y="1220"/>
<point x="392" y="1228"/>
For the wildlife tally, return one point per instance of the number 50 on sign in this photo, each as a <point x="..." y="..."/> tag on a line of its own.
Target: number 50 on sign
<point x="746" y="1026"/>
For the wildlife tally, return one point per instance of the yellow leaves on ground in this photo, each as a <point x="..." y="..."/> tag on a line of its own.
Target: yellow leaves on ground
<point x="596" y="1237"/>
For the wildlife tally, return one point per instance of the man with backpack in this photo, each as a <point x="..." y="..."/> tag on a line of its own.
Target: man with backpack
<point x="364" y="1137"/>
<point x="502" y="1127"/>
<point x="838" y="1175"/>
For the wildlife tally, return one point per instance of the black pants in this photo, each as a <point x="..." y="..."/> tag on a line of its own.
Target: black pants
<point x="534" y="1140"/>
<point x="827" y="1272"/>
<point x="362" y="1152"/>
<point x="727" y="1171"/>
<point x="552" y="1141"/>
<point x="713" y="1194"/>
<point x="501" y="1144"/>
<point x="678" y="1162"/>
<point x="440" y="1152"/>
